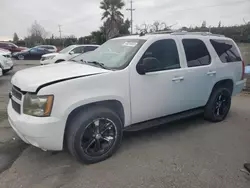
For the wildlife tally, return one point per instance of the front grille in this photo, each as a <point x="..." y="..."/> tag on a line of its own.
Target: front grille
<point x="16" y="106"/>
<point x="7" y="56"/>
<point x="16" y="92"/>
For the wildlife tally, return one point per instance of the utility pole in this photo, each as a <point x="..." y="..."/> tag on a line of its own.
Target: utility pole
<point x="60" y="31"/>
<point x="131" y="11"/>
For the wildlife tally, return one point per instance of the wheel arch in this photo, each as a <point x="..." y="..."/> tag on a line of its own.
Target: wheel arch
<point x="113" y="104"/>
<point x="228" y="83"/>
<point x="59" y="60"/>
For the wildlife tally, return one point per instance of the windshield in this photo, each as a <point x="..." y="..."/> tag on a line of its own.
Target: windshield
<point x="66" y="50"/>
<point x="114" y="54"/>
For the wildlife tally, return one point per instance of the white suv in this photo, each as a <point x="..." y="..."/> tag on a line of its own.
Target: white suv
<point x="128" y="83"/>
<point x="66" y="53"/>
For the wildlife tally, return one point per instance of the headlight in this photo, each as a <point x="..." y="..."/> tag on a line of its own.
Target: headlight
<point x="39" y="106"/>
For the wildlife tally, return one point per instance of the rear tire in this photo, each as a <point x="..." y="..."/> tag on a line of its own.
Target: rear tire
<point x="94" y="134"/>
<point x="218" y="105"/>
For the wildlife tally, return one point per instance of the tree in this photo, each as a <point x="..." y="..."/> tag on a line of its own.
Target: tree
<point x="15" y="38"/>
<point x="219" y="25"/>
<point x="156" y="26"/>
<point x="112" y="16"/>
<point x="204" y="24"/>
<point x="124" y="28"/>
<point x="37" y="34"/>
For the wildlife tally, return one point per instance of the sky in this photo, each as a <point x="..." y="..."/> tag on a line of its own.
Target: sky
<point x="80" y="17"/>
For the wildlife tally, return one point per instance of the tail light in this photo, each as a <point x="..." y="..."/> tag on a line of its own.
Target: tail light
<point x="243" y="70"/>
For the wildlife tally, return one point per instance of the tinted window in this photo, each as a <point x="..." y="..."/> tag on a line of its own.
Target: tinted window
<point x="50" y="47"/>
<point x="89" y="48"/>
<point x="78" y="50"/>
<point x="196" y="52"/>
<point x="165" y="51"/>
<point x="226" y="50"/>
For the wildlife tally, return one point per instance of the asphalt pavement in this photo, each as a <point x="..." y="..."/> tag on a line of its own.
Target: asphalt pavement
<point x="187" y="154"/>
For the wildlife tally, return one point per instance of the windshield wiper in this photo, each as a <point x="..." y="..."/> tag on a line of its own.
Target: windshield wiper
<point x="96" y="63"/>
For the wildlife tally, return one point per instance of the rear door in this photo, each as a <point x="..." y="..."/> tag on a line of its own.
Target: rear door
<point x="200" y="71"/>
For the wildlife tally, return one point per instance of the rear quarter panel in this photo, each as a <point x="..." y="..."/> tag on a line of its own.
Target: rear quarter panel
<point x="224" y="71"/>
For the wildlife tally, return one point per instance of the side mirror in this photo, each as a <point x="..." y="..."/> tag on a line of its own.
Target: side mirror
<point x="71" y="52"/>
<point x="148" y="64"/>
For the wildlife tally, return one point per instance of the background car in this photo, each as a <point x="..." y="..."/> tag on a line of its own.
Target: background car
<point x="11" y="47"/>
<point x="6" y="63"/>
<point x="5" y="53"/>
<point x="31" y="54"/>
<point x="67" y="53"/>
<point x="50" y="48"/>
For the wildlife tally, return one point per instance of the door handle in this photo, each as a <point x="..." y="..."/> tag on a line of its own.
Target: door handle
<point x="211" y="73"/>
<point x="176" y="79"/>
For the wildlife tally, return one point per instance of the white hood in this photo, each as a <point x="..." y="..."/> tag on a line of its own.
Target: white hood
<point x="3" y="52"/>
<point x="30" y="79"/>
<point x="50" y="54"/>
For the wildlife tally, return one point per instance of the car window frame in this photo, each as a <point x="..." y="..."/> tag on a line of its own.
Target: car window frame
<point x="77" y="47"/>
<point x="234" y="46"/>
<point x="185" y="55"/>
<point x="178" y="55"/>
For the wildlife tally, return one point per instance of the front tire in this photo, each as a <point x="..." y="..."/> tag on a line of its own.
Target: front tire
<point x="94" y="134"/>
<point x="218" y="105"/>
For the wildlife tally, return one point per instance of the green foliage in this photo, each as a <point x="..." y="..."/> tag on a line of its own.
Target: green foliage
<point x="15" y="38"/>
<point x="239" y="33"/>
<point x="112" y="16"/>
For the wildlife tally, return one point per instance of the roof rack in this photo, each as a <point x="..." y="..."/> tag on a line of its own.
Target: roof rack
<point x="181" y="32"/>
<point x="196" y="33"/>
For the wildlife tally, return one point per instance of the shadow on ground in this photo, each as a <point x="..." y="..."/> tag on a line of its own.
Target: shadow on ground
<point x="9" y="152"/>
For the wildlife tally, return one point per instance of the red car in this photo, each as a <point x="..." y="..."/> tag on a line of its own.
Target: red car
<point x="11" y="47"/>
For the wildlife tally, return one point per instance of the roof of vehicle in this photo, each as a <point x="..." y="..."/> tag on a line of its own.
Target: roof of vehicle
<point x="46" y="45"/>
<point x="160" y="34"/>
<point x="6" y="42"/>
<point x="86" y="45"/>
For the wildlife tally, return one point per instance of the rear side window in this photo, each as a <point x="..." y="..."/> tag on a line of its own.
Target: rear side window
<point x="196" y="52"/>
<point x="50" y="47"/>
<point x="226" y="50"/>
<point x="89" y="48"/>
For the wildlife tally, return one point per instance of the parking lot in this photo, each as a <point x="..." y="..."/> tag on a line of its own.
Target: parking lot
<point x="189" y="153"/>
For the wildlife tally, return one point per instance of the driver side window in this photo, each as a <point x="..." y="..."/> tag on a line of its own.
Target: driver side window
<point x="78" y="50"/>
<point x="165" y="51"/>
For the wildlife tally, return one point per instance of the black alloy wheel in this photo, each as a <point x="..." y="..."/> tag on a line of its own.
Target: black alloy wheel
<point x="222" y="104"/>
<point x="94" y="134"/>
<point x="98" y="137"/>
<point x="218" y="105"/>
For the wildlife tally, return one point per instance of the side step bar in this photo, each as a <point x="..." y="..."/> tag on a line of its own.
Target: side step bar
<point x="164" y="120"/>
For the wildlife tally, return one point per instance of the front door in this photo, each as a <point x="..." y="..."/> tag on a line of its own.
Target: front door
<point x="159" y="92"/>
